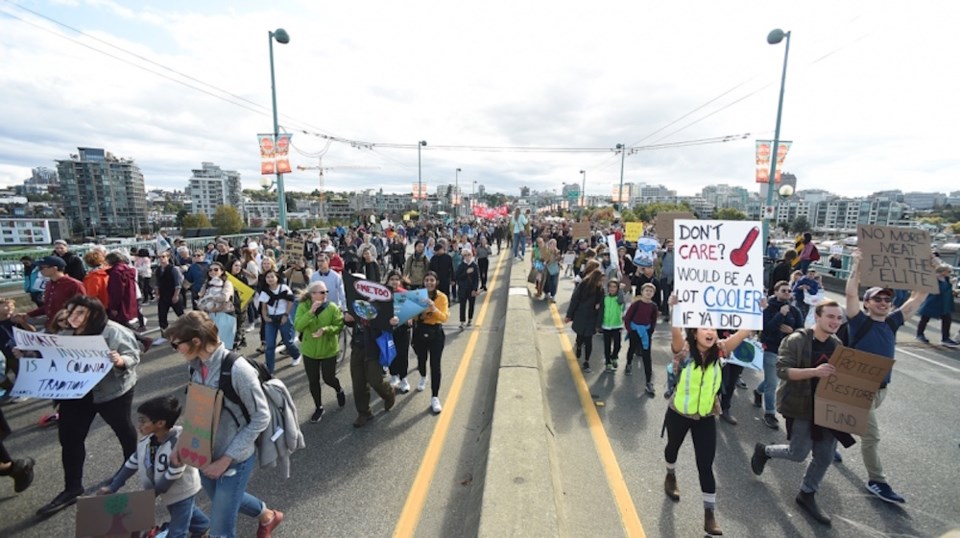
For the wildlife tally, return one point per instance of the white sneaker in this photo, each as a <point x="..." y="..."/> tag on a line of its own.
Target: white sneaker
<point x="395" y="381"/>
<point x="404" y="386"/>
<point x="159" y="340"/>
<point x="422" y="384"/>
<point x="296" y="362"/>
<point x="435" y="405"/>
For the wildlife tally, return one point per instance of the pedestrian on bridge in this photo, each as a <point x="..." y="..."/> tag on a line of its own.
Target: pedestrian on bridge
<point x="694" y="408"/>
<point x="429" y="339"/>
<point x="584" y="311"/>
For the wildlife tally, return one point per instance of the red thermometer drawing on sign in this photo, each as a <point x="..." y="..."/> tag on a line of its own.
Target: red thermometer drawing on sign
<point x="740" y="255"/>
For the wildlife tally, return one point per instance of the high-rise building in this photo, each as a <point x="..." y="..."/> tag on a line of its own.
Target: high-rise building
<point x="102" y="194"/>
<point x="210" y="187"/>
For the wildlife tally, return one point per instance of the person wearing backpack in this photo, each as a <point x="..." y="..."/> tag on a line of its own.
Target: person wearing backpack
<point x="809" y="253"/>
<point x="320" y="323"/>
<point x="195" y="337"/>
<point x="879" y="338"/>
<point x="780" y="319"/>
<point x="217" y="301"/>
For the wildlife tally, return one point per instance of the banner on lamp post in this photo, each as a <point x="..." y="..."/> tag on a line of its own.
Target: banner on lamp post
<point x="764" y="151"/>
<point x="283" y="153"/>
<point x="268" y="163"/>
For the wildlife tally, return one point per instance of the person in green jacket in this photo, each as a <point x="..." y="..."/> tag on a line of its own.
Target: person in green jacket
<point x="320" y="323"/>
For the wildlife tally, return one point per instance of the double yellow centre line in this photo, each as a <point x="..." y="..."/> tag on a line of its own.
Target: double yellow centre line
<point x="413" y="507"/>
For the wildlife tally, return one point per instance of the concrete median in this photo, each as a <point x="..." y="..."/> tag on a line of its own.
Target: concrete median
<point x="520" y="492"/>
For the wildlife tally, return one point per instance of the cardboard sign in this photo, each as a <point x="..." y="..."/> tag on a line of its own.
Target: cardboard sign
<point x="836" y="249"/>
<point x="646" y="253"/>
<point x="368" y="301"/>
<point x="69" y="366"/>
<point x="116" y="515"/>
<point x="580" y="230"/>
<point x="201" y="415"/>
<point x="897" y="258"/>
<point x="632" y="231"/>
<point x="843" y="400"/>
<point x="718" y="274"/>
<point x="664" y="224"/>
<point x="409" y="304"/>
<point x="293" y="250"/>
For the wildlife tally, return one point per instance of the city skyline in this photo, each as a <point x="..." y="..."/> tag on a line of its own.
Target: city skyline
<point x="538" y="76"/>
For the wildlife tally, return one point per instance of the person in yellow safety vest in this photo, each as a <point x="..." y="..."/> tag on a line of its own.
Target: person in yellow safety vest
<point x="696" y="356"/>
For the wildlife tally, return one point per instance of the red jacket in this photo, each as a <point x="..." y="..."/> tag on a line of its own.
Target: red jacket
<point x="122" y="293"/>
<point x="57" y="293"/>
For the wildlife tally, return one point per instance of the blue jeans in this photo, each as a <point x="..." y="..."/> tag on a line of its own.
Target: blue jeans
<point x="285" y="330"/>
<point x="769" y="385"/>
<point x="516" y="244"/>
<point x="186" y="516"/>
<point x="550" y="287"/>
<point x="228" y="498"/>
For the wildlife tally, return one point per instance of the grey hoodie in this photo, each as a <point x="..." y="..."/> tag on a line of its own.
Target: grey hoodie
<point x="118" y="380"/>
<point x="235" y="437"/>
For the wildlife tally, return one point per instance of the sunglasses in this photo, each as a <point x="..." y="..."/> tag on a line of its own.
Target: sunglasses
<point x="883" y="299"/>
<point x="176" y="345"/>
<point x="215" y="270"/>
<point x="321" y="292"/>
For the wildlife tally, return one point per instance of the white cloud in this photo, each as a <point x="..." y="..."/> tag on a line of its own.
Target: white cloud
<point x="875" y="114"/>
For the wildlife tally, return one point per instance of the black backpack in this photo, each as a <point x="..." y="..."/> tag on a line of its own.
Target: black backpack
<point x="226" y="378"/>
<point x="843" y="333"/>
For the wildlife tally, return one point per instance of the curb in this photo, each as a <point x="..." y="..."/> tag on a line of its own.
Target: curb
<point x="520" y="493"/>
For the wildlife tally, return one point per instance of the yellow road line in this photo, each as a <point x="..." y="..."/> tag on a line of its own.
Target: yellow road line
<point x="417" y="496"/>
<point x="621" y="495"/>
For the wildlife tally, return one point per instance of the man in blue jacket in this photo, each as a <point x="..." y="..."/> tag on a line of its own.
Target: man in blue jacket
<point x="780" y="319"/>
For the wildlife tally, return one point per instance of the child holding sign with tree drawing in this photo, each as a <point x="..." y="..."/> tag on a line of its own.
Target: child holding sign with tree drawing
<point x="159" y="468"/>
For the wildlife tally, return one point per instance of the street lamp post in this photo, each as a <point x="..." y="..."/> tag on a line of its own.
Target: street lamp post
<point x="283" y="38"/>
<point x="583" y="190"/>
<point x="623" y="155"/>
<point x="774" y="37"/>
<point x="420" y="144"/>
<point x="456" y="194"/>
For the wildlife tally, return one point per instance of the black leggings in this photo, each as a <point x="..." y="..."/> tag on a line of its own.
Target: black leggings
<point x="465" y="300"/>
<point x="317" y="368"/>
<point x="4" y="432"/>
<point x="585" y="341"/>
<point x="432" y="346"/>
<point x="704" y="432"/>
<point x="484" y="265"/>
<point x="611" y="344"/>
<point x="401" y="363"/>
<point x="76" y="416"/>
<point x="945" y="321"/>
<point x="636" y="346"/>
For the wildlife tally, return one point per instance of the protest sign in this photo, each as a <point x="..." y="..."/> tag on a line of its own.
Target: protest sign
<point x="580" y="230"/>
<point x="243" y="290"/>
<point x="612" y="248"/>
<point x="748" y="354"/>
<point x="664" y="223"/>
<point x="568" y="258"/>
<point x="293" y="250"/>
<point x="369" y="301"/>
<point x="897" y="258"/>
<point x="843" y="400"/>
<point x="409" y="304"/>
<point x="836" y="249"/>
<point x="646" y="252"/>
<point x="115" y="515"/>
<point x="718" y="274"/>
<point x="68" y="368"/>
<point x="632" y="231"/>
<point x="201" y="415"/>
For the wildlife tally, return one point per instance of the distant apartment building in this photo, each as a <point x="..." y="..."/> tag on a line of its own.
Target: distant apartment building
<point x="721" y="196"/>
<point x="102" y="194"/>
<point x="844" y="214"/>
<point x="924" y="200"/>
<point x="32" y="231"/>
<point x="42" y="180"/>
<point x="211" y="187"/>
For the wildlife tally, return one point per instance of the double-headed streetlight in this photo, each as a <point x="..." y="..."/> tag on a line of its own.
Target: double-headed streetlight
<point x="456" y="196"/>
<point x="283" y="38"/>
<point x="623" y="155"/>
<point x="774" y="37"/>
<point x="423" y="198"/>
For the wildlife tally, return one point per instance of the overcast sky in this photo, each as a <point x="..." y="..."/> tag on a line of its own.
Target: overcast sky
<point x="870" y="93"/>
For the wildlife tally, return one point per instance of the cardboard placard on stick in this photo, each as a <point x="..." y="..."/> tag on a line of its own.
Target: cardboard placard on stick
<point x="663" y="224"/>
<point x="116" y="515"/>
<point x="844" y="399"/>
<point x="580" y="230"/>
<point x="293" y="250"/>
<point x="201" y="415"/>
<point x="632" y="231"/>
<point x="897" y="258"/>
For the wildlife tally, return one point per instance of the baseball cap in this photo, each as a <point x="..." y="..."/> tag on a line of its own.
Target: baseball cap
<point x="872" y="292"/>
<point x="52" y="261"/>
<point x="329" y="248"/>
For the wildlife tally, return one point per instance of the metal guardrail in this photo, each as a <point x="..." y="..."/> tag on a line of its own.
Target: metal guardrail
<point x="11" y="270"/>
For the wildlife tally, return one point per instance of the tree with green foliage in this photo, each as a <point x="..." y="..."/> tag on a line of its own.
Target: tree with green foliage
<point x="785" y="226"/>
<point x="227" y="220"/>
<point x="295" y="224"/>
<point x="182" y="214"/>
<point x="197" y="220"/>
<point x="729" y="213"/>
<point x="648" y="212"/>
<point x="800" y="225"/>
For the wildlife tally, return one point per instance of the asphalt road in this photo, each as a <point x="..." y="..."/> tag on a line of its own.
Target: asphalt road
<point x="348" y="481"/>
<point x="919" y="450"/>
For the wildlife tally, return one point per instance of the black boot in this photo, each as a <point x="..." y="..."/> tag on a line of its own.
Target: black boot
<point x="809" y="503"/>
